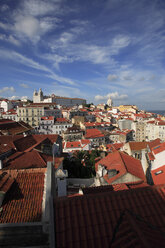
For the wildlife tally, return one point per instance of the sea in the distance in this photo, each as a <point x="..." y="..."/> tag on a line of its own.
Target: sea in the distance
<point x="159" y="112"/>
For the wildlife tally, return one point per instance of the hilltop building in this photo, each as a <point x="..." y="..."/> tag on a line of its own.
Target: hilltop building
<point x="38" y="97"/>
<point x="110" y="102"/>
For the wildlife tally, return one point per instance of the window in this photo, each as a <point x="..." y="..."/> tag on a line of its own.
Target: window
<point x="158" y="172"/>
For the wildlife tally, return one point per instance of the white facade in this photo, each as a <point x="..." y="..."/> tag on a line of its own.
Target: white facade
<point x="110" y="102"/>
<point x="158" y="161"/>
<point x="38" y="96"/>
<point x="48" y="126"/>
<point x="6" y="105"/>
<point x="125" y="124"/>
<point x="154" y="131"/>
<point x="10" y="116"/>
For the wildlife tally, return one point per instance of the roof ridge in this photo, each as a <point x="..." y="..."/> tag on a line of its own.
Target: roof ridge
<point x="122" y="160"/>
<point x="38" y="153"/>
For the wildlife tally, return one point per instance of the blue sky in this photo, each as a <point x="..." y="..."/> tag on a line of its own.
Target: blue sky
<point x="90" y="49"/>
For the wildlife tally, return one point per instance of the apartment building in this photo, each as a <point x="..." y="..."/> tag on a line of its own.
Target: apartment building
<point x="51" y="125"/>
<point x="155" y="130"/>
<point x="139" y="130"/>
<point x="31" y="114"/>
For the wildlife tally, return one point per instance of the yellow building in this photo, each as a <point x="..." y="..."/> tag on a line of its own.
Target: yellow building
<point x="128" y="108"/>
<point x="30" y="114"/>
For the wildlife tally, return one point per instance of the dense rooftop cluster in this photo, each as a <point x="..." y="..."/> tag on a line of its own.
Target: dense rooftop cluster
<point x="81" y="175"/>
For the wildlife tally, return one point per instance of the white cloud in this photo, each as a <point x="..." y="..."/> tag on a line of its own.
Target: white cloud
<point x="112" y="77"/>
<point x="32" y="27"/>
<point x="113" y="95"/>
<point x="6" y="89"/>
<point x="120" y="41"/>
<point x="19" y="58"/>
<point x="24" y="97"/>
<point x="5" y="26"/>
<point x="66" y="38"/>
<point x="38" y="7"/>
<point x="126" y="75"/>
<point x="13" y="97"/>
<point x="10" y="39"/>
<point x="28" y="25"/>
<point x="24" y="85"/>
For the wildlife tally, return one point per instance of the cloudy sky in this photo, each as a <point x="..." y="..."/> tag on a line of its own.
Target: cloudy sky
<point x="90" y="49"/>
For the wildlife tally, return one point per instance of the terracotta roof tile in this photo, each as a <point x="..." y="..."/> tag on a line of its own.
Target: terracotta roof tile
<point x="91" y="220"/>
<point x="24" y="143"/>
<point x="122" y="163"/>
<point x="153" y="143"/>
<point x="85" y="141"/>
<point x="93" y="133"/>
<point x="46" y="118"/>
<point x="26" y="160"/>
<point x="158" y="175"/>
<point x="115" y="146"/>
<point x="5" y="148"/>
<point x="10" y="139"/>
<point x="151" y="156"/>
<point x="5" y="182"/>
<point x="23" y="202"/>
<point x="14" y="128"/>
<point x="39" y="137"/>
<point x="133" y="231"/>
<point x="159" y="148"/>
<point x="135" y="146"/>
<point x="61" y="120"/>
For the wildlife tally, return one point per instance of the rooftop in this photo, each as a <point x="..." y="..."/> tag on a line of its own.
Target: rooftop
<point x="122" y="163"/>
<point x="93" y="133"/>
<point x="93" y="220"/>
<point x="23" y="202"/>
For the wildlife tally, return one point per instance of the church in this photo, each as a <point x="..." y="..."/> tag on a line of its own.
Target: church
<point x="38" y="97"/>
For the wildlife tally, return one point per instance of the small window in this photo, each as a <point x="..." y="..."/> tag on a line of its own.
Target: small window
<point x="158" y="172"/>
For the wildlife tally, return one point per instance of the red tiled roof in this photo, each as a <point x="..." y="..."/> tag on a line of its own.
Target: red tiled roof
<point x="93" y="133"/>
<point x="92" y="124"/>
<point x="161" y="123"/>
<point x="5" y="148"/>
<point x="123" y="163"/>
<point x="6" y="182"/>
<point x="158" y="175"/>
<point x="61" y="120"/>
<point x="85" y="141"/>
<point x="26" y="160"/>
<point x="10" y="139"/>
<point x="151" y="122"/>
<point x="120" y="186"/>
<point x="14" y="128"/>
<point x="91" y="220"/>
<point x="159" y="148"/>
<point x="5" y="121"/>
<point x="115" y="146"/>
<point x="24" y="143"/>
<point x="52" y="137"/>
<point x="46" y="118"/>
<point x="151" y="156"/>
<point x="141" y="234"/>
<point x="153" y="143"/>
<point x="135" y="146"/>
<point x="73" y="144"/>
<point x="23" y="203"/>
